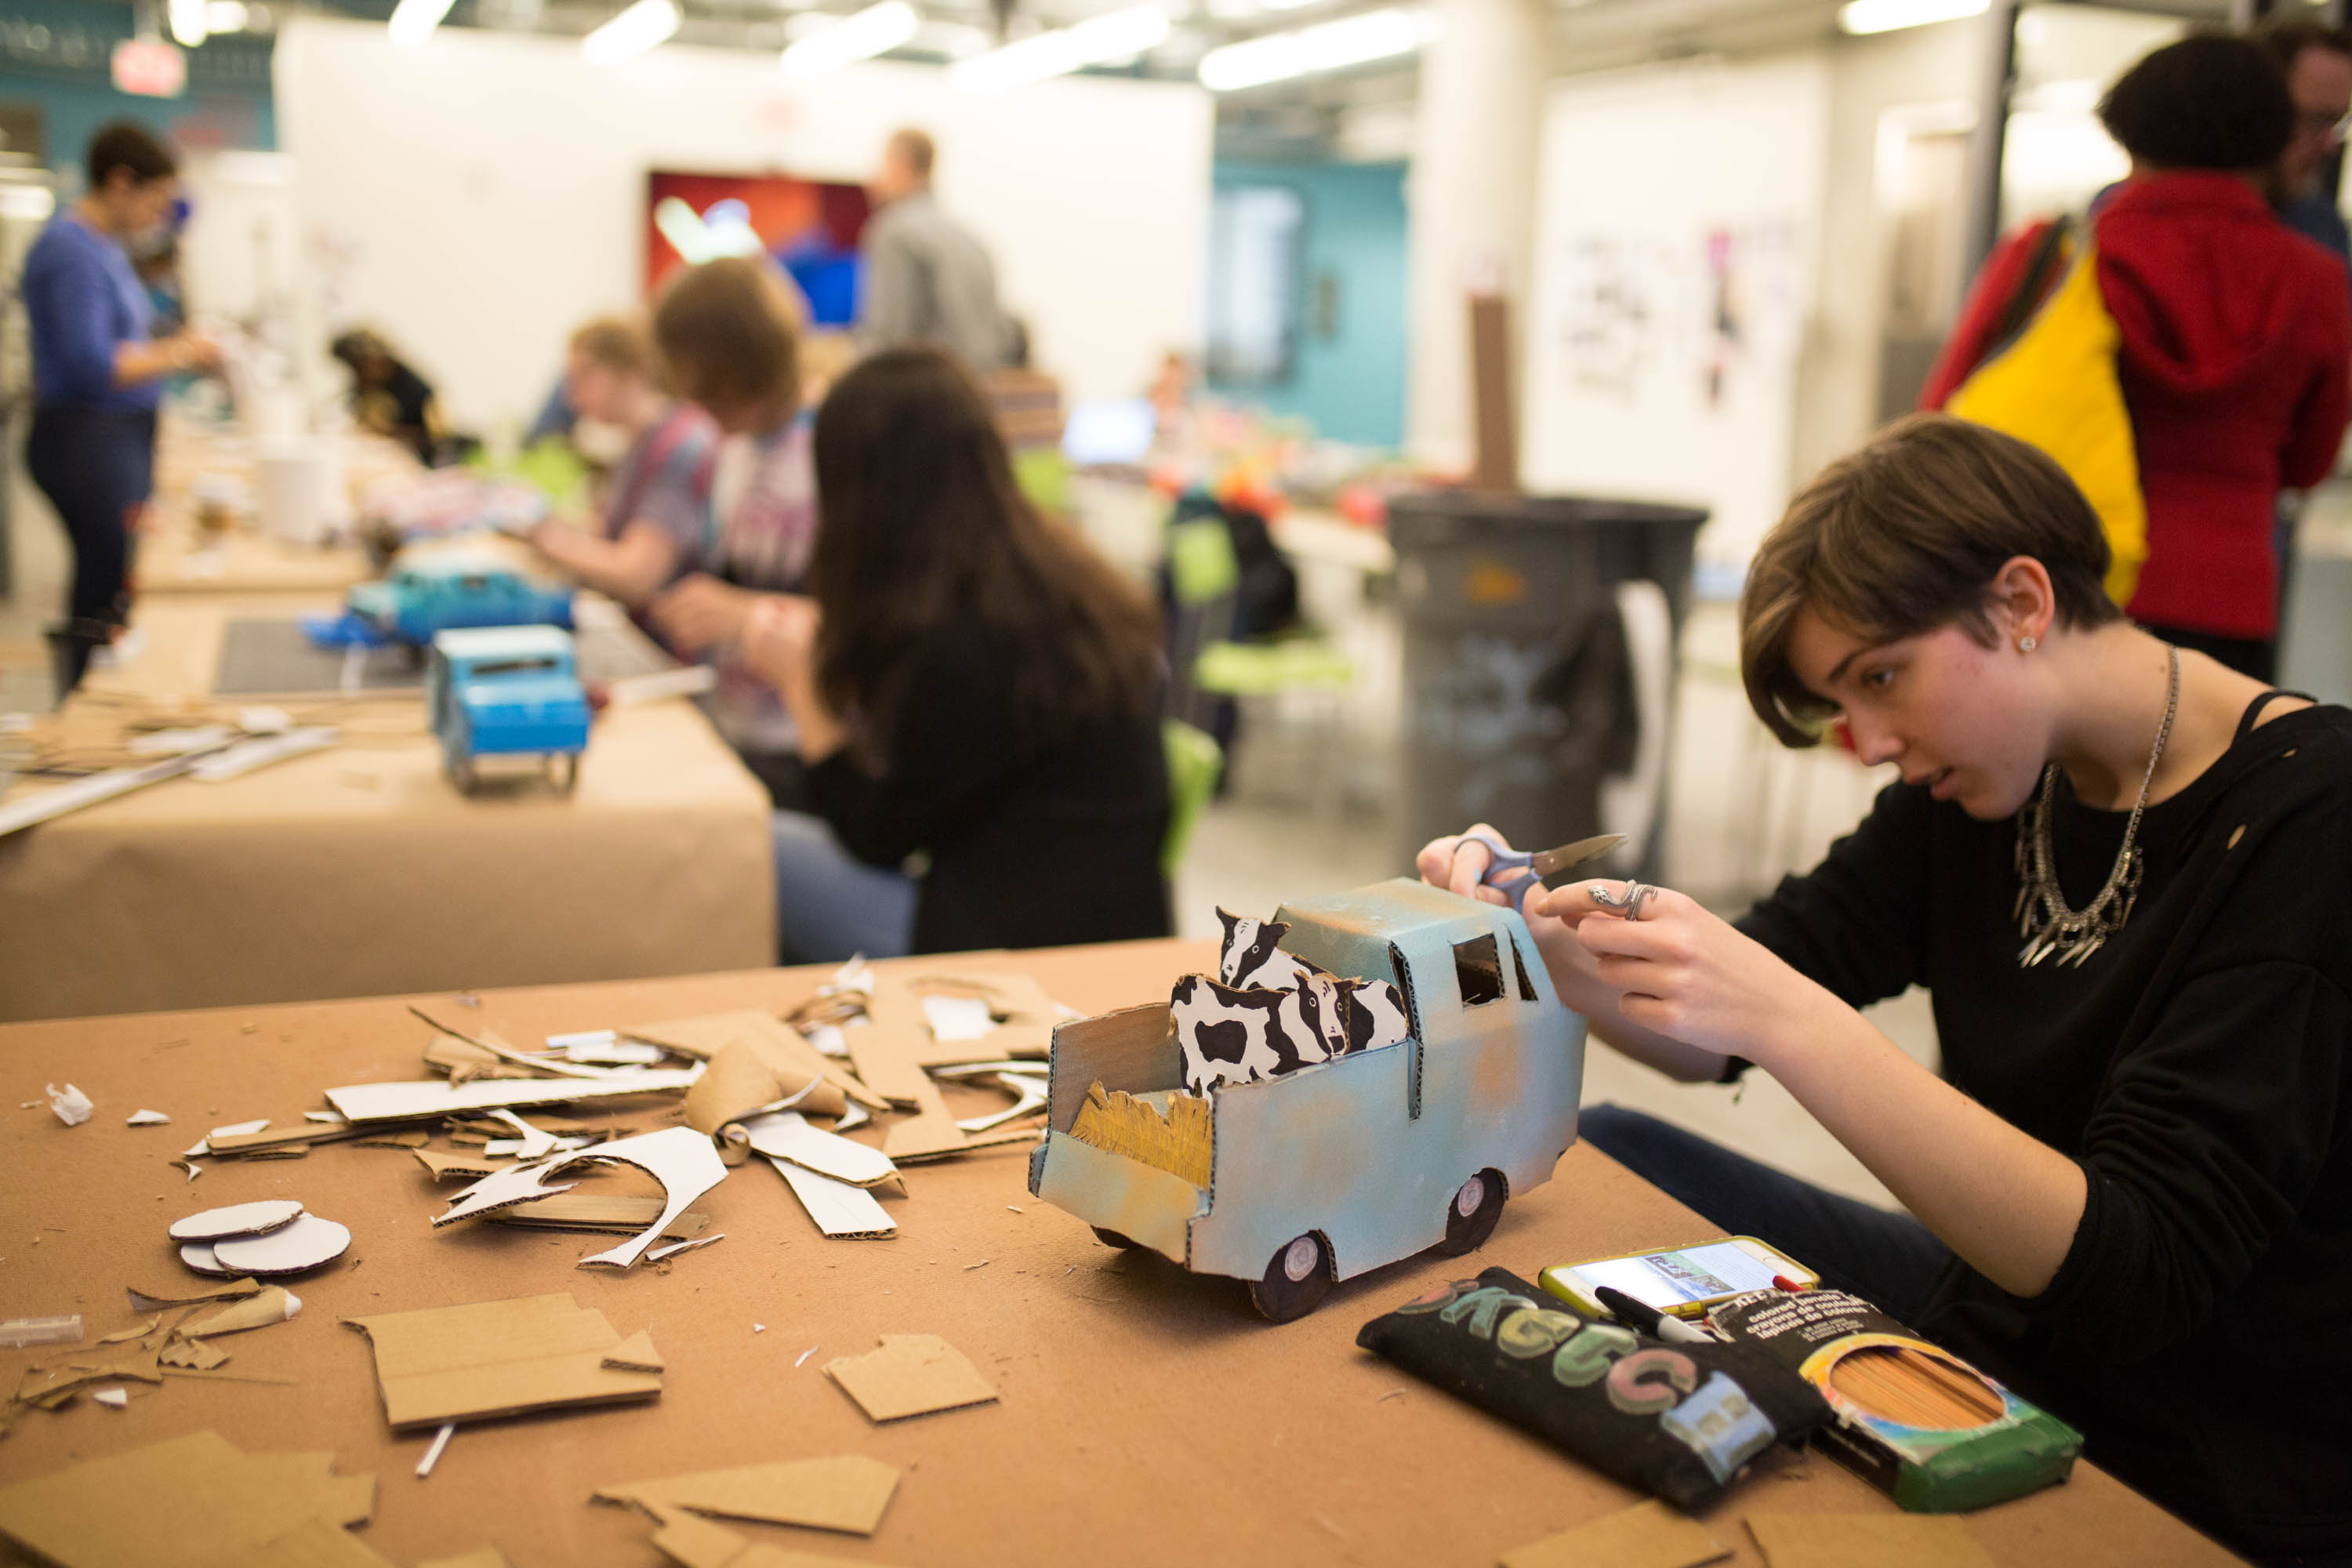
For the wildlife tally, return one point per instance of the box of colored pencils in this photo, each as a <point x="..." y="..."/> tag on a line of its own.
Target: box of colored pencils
<point x="1918" y="1422"/>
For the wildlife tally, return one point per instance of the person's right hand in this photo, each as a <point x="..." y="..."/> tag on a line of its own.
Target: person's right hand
<point x="196" y="350"/>
<point x="1459" y="865"/>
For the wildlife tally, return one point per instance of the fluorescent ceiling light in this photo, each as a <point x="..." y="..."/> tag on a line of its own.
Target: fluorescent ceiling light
<point x="1098" y="40"/>
<point x="633" y="32"/>
<point x="413" y="21"/>
<point x="1328" y="45"/>
<point x="187" y="19"/>
<point x="225" y="15"/>
<point x="1887" y="16"/>
<point x="876" y="30"/>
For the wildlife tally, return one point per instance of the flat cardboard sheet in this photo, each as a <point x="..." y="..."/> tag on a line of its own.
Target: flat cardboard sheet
<point x="1647" y="1535"/>
<point x="497" y="1358"/>
<point x="911" y="1374"/>
<point x="1127" y="1383"/>
<point x="846" y="1492"/>
<point x="426" y="1099"/>
<point x="693" y="1543"/>
<point x="487" y="1557"/>
<point x="1867" y="1540"/>
<point x="841" y="1211"/>
<point x="194" y="1502"/>
<point x="512" y="887"/>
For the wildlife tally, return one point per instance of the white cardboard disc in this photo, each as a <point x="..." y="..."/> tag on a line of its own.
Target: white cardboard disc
<point x="308" y="1242"/>
<point x="237" y="1219"/>
<point x="198" y="1256"/>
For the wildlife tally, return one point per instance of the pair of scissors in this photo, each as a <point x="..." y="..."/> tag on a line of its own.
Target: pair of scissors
<point x="1518" y="872"/>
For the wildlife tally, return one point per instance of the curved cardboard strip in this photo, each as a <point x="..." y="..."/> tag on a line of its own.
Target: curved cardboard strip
<point x="679" y="1158"/>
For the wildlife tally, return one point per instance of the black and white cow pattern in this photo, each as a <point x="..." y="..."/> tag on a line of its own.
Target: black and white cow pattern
<point x="1229" y="1034"/>
<point x="1251" y="955"/>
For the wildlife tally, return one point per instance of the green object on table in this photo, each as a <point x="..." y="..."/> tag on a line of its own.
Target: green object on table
<point x="551" y="465"/>
<point x="1202" y="565"/>
<point x="1194" y="761"/>
<point x="1044" y="476"/>
<point x="1262" y="668"/>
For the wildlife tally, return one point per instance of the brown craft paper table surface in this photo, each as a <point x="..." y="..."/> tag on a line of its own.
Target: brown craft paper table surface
<point x="173" y="555"/>
<point x="1147" y="1416"/>
<point x="360" y="869"/>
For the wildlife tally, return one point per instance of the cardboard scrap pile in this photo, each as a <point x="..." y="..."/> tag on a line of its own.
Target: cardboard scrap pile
<point x="861" y="1049"/>
<point x="152" y="1350"/>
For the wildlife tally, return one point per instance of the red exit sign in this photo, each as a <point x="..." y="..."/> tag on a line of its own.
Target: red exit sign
<point x="150" y="67"/>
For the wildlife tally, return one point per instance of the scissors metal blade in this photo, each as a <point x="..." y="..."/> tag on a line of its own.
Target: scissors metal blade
<point x="1552" y="860"/>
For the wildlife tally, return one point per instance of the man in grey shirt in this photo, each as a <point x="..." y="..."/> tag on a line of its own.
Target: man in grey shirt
<point x="928" y="278"/>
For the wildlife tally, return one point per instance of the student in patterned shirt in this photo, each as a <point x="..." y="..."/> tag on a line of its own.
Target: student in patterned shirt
<point x="729" y="331"/>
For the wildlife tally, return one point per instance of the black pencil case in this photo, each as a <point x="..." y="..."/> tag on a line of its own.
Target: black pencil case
<point x="1678" y="1420"/>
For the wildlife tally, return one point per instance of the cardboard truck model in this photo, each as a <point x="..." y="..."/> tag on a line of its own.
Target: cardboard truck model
<point x="503" y="691"/>
<point x="439" y="592"/>
<point x="1328" y="1170"/>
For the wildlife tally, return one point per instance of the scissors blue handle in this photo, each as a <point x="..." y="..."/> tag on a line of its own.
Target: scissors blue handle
<point x="1517" y="873"/>
<point x="1511" y="871"/>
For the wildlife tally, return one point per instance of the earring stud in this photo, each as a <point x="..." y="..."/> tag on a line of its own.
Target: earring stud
<point x="2027" y="643"/>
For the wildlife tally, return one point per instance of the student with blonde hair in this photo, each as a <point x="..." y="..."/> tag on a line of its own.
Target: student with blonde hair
<point x="2120" y="869"/>
<point x="656" y="523"/>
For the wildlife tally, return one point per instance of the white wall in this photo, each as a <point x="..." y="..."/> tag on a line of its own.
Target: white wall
<point x="1631" y="388"/>
<point x="480" y="197"/>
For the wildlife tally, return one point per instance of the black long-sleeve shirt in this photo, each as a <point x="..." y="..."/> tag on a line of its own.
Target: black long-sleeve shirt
<point x="2200" y="1330"/>
<point x="1029" y="846"/>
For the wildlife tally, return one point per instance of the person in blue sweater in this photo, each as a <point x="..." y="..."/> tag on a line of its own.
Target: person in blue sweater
<point x="98" y="376"/>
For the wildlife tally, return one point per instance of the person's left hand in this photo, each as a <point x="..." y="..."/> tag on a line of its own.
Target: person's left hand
<point x="700" y="612"/>
<point x="1687" y="973"/>
<point x="780" y="640"/>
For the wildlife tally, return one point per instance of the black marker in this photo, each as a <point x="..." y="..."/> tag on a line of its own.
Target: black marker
<point x="1650" y="1320"/>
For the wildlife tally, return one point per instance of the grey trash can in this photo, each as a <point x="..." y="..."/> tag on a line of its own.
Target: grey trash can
<point x="1517" y="691"/>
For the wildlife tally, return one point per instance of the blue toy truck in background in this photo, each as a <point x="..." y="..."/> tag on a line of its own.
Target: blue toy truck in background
<point x="1327" y="1172"/>
<point x="503" y="691"/>
<point x="454" y="589"/>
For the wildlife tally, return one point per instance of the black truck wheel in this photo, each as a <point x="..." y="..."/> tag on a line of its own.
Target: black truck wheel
<point x="1296" y="1282"/>
<point x="1470" y="1218"/>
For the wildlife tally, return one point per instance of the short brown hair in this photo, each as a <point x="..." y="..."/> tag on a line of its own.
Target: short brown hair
<point x="916" y="150"/>
<point x="2284" y="40"/>
<point x="130" y="147"/>
<point x="729" y="336"/>
<point x="619" y="344"/>
<point x="1906" y="535"/>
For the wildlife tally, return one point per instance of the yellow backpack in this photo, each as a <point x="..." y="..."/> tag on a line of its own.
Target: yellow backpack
<point x="2053" y="385"/>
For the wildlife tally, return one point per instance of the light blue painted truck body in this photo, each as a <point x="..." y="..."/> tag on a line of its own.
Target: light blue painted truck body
<point x="505" y="691"/>
<point x="456" y="589"/>
<point x="1366" y="1151"/>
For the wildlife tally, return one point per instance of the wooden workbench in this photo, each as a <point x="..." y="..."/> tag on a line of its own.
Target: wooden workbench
<point x="360" y="870"/>
<point x="1147" y="1416"/>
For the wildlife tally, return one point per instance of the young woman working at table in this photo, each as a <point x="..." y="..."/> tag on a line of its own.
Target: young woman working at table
<point x="969" y="680"/>
<point x="2121" y="870"/>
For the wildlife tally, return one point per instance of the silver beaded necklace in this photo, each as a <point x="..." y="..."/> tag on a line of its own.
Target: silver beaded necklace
<point x="2049" y="926"/>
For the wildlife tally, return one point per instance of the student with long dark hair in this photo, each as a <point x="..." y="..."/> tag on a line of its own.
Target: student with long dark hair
<point x="2119" y="869"/>
<point x="970" y="681"/>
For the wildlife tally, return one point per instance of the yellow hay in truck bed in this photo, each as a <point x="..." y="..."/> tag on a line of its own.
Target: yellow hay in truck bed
<point x="1178" y="1142"/>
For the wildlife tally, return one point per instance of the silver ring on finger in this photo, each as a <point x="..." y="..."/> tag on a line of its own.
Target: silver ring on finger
<point x="1629" y="903"/>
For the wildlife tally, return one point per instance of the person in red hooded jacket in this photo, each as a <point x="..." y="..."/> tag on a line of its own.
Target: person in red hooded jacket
<point x="2236" y="351"/>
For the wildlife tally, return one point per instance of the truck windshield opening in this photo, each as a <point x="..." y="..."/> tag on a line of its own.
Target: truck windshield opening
<point x="1478" y="966"/>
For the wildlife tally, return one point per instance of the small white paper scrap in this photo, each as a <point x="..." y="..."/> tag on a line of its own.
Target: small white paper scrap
<point x="113" y="1398"/>
<point x="72" y="1106"/>
<point x="148" y="1118"/>
<point x="958" y="1017"/>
